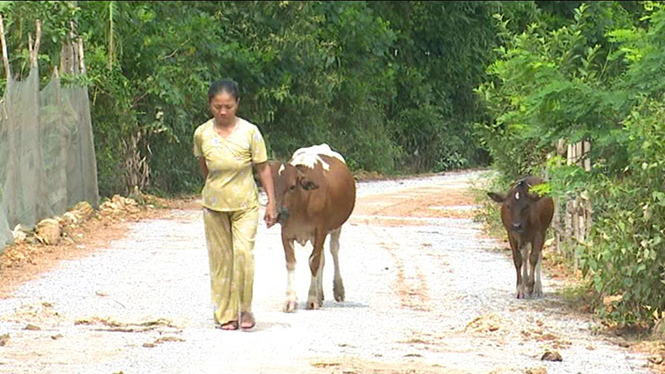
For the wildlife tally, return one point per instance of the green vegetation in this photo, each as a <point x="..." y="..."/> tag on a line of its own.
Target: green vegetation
<point x="592" y="76"/>
<point x="396" y="87"/>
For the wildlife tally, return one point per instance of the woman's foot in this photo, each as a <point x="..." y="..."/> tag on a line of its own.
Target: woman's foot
<point x="247" y="320"/>
<point x="229" y="326"/>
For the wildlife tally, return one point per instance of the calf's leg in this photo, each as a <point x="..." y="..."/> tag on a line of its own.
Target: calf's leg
<point x="316" y="264"/>
<point x="290" y="304"/>
<point x="338" y="284"/>
<point x="535" y="286"/>
<point x="517" y="259"/>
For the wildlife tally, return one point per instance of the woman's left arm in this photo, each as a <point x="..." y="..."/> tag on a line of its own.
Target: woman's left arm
<point x="266" y="181"/>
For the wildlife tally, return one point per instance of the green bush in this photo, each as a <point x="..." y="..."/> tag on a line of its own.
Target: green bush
<point x="627" y="254"/>
<point x="592" y="79"/>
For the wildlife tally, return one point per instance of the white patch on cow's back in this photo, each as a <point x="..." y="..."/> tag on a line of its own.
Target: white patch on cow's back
<point x="517" y="195"/>
<point x="281" y="169"/>
<point x="310" y="156"/>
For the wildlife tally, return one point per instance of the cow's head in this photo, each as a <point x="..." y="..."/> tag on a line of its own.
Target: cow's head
<point x="291" y="186"/>
<point x="516" y="205"/>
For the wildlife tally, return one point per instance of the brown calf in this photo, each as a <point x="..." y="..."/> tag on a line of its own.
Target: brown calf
<point x="526" y="217"/>
<point x="315" y="194"/>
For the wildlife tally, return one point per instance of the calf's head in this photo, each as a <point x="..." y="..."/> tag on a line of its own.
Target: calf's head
<point x="291" y="186"/>
<point x="517" y="205"/>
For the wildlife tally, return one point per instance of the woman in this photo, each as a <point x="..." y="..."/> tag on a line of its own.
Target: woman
<point x="227" y="146"/>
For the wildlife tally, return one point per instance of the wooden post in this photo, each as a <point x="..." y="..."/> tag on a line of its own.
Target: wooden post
<point x="587" y="155"/>
<point x="5" y="55"/>
<point x="587" y="203"/>
<point x="67" y="59"/>
<point x="576" y="211"/>
<point x="560" y="151"/>
<point x="81" y="57"/>
<point x="34" y="48"/>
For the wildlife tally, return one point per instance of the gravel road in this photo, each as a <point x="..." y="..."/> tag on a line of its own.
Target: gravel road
<point x="423" y="295"/>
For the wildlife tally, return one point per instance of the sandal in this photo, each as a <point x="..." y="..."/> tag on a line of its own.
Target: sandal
<point x="229" y="326"/>
<point x="247" y="320"/>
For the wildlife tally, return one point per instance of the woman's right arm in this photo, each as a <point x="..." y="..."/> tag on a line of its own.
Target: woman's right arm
<point x="204" y="167"/>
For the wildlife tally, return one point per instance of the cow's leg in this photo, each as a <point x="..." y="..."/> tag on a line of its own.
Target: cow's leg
<point x="538" y="287"/>
<point x="319" y="278"/>
<point x="524" y="251"/>
<point x="535" y="286"/>
<point x="316" y="267"/>
<point x="517" y="259"/>
<point x="338" y="284"/>
<point x="290" y="304"/>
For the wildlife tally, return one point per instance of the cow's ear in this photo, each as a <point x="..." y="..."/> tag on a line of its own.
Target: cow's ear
<point x="308" y="185"/>
<point x="499" y="198"/>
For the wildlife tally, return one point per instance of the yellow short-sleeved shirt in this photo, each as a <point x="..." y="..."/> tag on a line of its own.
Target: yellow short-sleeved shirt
<point x="230" y="184"/>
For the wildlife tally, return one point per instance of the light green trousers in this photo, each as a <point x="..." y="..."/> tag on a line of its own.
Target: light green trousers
<point x="230" y="238"/>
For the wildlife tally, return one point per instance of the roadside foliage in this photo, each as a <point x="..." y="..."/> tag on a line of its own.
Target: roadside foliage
<point x="594" y="78"/>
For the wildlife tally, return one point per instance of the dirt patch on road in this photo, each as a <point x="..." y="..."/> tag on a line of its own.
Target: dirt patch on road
<point x="415" y="206"/>
<point x="346" y="365"/>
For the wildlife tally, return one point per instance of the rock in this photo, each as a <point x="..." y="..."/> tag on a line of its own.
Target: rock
<point x="538" y="370"/>
<point x="83" y="211"/>
<point x="4" y="338"/>
<point x="551" y="356"/>
<point x="485" y="323"/>
<point x="623" y="344"/>
<point x="19" y="234"/>
<point x="48" y="231"/>
<point x="168" y="339"/>
<point x="119" y="201"/>
<point x="70" y="218"/>
<point x="119" y="204"/>
<point x="31" y="327"/>
<point x="56" y="337"/>
<point x="108" y="208"/>
<point x="657" y="358"/>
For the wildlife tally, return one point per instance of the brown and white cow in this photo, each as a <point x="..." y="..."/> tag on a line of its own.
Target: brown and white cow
<point x="526" y="217"/>
<point x="315" y="194"/>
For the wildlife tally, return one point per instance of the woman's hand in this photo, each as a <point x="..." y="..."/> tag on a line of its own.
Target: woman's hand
<point x="271" y="214"/>
<point x="267" y="182"/>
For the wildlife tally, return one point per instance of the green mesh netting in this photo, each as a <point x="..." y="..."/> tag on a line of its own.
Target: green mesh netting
<point x="47" y="155"/>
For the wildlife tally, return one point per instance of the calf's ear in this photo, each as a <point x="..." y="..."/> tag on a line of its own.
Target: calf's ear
<point x="499" y="198"/>
<point x="308" y="185"/>
<point x="304" y="183"/>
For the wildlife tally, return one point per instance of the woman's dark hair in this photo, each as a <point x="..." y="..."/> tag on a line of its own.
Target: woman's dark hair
<point x="225" y="85"/>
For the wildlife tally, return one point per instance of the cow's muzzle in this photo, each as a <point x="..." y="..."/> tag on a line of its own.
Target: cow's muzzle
<point x="282" y="214"/>
<point x="517" y="227"/>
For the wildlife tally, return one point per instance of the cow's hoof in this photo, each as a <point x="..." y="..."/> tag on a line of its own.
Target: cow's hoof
<point x="537" y="293"/>
<point x="338" y="291"/>
<point x="521" y="293"/>
<point x="290" y="307"/>
<point x="314" y="304"/>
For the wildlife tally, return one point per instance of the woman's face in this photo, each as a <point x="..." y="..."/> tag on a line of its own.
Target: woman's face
<point x="223" y="107"/>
